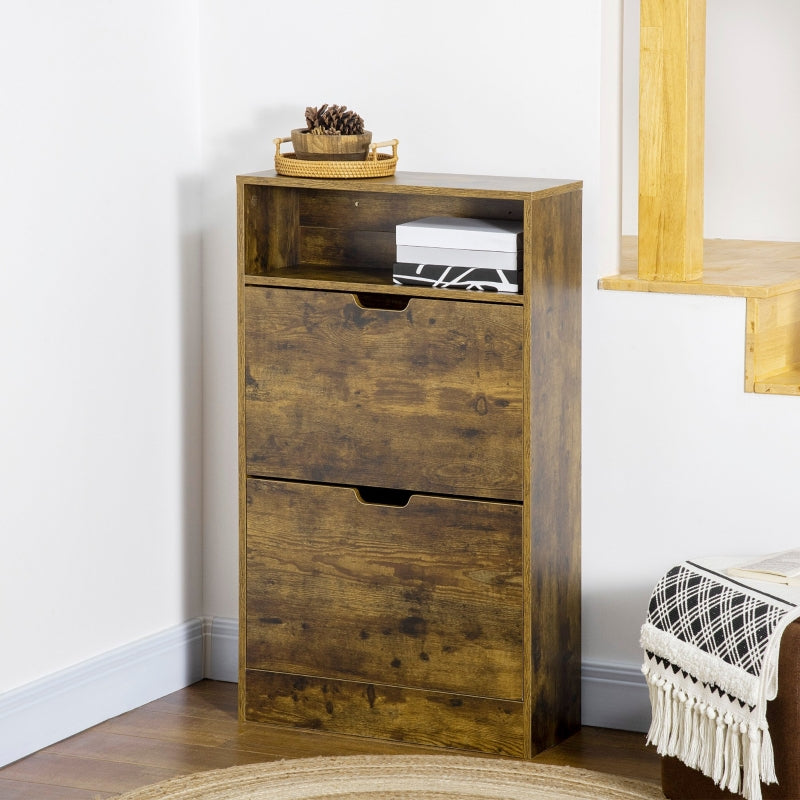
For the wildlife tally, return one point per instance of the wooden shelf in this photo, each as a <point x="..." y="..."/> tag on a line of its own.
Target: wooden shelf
<point x="787" y="382"/>
<point x="427" y="184"/>
<point x="767" y="274"/>
<point x="731" y="268"/>
<point x="378" y="281"/>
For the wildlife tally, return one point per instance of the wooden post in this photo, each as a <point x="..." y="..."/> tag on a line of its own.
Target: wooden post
<point x="671" y="139"/>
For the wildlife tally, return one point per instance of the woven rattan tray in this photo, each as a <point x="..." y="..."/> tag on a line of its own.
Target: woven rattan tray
<point x="376" y="165"/>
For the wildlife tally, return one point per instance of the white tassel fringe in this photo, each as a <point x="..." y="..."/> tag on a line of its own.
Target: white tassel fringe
<point x="736" y="755"/>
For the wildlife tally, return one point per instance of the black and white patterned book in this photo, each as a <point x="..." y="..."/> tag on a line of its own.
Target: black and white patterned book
<point x="440" y="276"/>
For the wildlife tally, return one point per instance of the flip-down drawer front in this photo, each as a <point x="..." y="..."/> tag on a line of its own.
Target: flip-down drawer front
<point x="426" y="595"/>
<point x="427" y="398"/>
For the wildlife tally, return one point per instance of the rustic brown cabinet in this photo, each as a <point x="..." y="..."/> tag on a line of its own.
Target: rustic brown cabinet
<point x="409" y="468"/>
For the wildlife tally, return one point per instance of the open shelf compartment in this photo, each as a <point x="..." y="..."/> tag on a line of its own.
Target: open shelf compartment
<point x="340" y="235"/>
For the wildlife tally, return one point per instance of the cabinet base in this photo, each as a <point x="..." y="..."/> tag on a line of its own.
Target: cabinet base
<point x="436" y="719"/>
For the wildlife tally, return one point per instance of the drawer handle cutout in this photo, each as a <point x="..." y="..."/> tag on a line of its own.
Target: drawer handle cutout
<point x="387" y="302"/>
<point x="374" y="496"/>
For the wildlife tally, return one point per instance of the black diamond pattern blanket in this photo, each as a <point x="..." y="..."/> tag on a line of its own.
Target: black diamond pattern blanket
<point x="711" y="647"/>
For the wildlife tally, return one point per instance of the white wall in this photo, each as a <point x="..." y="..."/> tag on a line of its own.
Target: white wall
<point x="99" y="328"/>
<point x="678" y="461"/>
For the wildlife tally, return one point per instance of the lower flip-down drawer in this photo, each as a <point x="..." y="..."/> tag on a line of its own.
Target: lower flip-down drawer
<point x="425" y="595"/>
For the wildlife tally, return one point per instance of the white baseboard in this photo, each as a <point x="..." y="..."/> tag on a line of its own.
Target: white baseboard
<point x="222" y="650"/>
<point x="614" y="696"/>
<point x="72" y="700"/>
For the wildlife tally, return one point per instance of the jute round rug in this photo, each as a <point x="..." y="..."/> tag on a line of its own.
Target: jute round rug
<point x="398" y="778"/>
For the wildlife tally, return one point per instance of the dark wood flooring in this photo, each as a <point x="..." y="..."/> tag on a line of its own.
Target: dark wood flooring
<point x="197" y="729"/>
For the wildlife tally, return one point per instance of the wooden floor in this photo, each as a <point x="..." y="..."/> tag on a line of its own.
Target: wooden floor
<point x="196" y="729"/>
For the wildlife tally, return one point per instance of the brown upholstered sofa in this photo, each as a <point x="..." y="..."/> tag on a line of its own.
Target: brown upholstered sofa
<point x="783" y="714"/>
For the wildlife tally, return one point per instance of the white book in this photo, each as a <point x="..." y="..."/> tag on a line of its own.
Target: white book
<point x="461" y="233"/>
<point x="457" y="257"/>
<point x="783" y="567"/>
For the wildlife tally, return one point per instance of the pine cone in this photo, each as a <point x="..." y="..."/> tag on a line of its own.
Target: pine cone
<point x="313" y="123"/>
<point x="329" y="118"/>
<point x="351" y="123"/>
<point x="333" y="120"/>
<point x="311" y="118"/>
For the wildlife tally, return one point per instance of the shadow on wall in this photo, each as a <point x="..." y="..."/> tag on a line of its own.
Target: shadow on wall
<point x="251" y="149"/>
<point x="190" y="329"/>
<point x="615" y="693"/>
<point x="228" y="153"/>
<point x="615" y="616"/>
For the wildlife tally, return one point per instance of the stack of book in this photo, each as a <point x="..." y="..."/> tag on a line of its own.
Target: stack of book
<point x="459" y="253"/>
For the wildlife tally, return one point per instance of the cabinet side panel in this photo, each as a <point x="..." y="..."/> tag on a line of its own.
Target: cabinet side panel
<point x="554" y="297"/>
<point x="243" y="245"/>
<point x="270" y="219"/>
<point x="385" y="712"/>
<point x="773" y="335"/>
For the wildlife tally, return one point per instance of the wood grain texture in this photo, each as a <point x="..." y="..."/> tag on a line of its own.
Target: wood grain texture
<point x="772" y="340"/>
<point x="344" y="394"/>
<point x="553" y="513"/>
<point x="53" y="768"/>
<point x="787" y="382"/>
<point x="425" y="595"/>
<point x="348" y="248"/>
<point x="270" y="230"/>
<point x="425" y="184"/>
<point x="364" y="279"/>
<point x="621" y="752"/>
<point x="247" y="214"/>
<point x="378" y="211"/>
<point x="33" y="790"/>
<point x="287" y="230"/>
<point x="181" y="757"/>
<point x="386" y="712"/>
<point x="671" y="139"/>
<point x="732" y="268"/>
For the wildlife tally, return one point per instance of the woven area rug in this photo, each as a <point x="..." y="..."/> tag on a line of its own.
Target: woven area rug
<point x="398" y="778"/>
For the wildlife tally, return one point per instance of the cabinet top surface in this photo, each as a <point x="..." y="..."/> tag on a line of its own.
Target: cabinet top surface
<point x="424" y="183"/>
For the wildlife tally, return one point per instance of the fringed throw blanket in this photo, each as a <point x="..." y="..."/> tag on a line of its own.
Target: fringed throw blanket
<point x="711" y="662"/>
